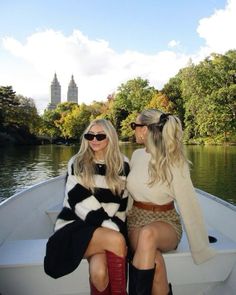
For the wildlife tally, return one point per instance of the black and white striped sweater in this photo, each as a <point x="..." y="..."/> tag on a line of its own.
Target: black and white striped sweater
<point x="101" y="208"/>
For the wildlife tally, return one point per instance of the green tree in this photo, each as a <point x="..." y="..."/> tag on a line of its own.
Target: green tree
<point x="48" y="126"/>
<point x="65" y="111"/>
<point x="126" y="132"/>
<point x="98" y="110"/>
<point x="26" y="114"/>
<point x="55" y="122"/>
<point x="208" y="92"/>
<point x="8" y="105"/>
<point x="131" y="96"/>
<point x="172" y="89"/>
<point x="217" y="119"/>
<point x="80" y="120"/>
<point x="72" y="124"/>
<point x="66" y="107"/>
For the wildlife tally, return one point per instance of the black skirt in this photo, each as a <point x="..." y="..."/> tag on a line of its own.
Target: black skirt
<point x="66" y="248"/>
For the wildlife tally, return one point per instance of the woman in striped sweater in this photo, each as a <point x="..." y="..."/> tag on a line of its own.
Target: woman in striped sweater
<point x="92" y="223"/>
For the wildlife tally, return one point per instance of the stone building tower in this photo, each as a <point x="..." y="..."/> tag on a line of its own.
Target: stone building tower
<point x="55" y="93"/>
<point x="72" y="93"/>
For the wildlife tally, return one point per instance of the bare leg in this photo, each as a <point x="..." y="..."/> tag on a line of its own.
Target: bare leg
<point x="98" y="271"/>
<point x="103" y="240"/>
<point x="148" y="242"/>
<point x="160" y="282"/>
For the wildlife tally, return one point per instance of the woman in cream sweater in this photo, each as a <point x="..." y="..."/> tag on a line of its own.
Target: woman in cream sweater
<point x="160" y="177"/>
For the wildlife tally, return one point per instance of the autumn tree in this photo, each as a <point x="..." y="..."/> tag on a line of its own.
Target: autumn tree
<point x="161" y="102"/>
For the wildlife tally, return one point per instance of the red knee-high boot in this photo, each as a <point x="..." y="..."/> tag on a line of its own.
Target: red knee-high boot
<point x="94" y="290"/>
<point x="117" y="273"/>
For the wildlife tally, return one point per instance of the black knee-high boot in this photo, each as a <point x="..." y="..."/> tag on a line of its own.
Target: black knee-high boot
<point x="140" y="280"/>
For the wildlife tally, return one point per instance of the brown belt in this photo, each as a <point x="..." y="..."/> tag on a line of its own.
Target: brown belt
<point x="154" y="207"/>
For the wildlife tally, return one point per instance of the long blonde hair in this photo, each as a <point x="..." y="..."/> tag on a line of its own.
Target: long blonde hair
<point x="84" y="161"/>
<point x="164" y="143"/>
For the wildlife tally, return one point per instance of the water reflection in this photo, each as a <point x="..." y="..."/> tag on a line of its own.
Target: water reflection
<point x="213" y="170"/>
<point x="213" y="167"/>
<point x="22" y="167"/>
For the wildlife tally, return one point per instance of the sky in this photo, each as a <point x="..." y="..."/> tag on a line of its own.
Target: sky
<point x="104" y="43"/>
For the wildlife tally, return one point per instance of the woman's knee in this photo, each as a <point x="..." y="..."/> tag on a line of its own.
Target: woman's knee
<point x="98" y="270"/>
<point x="117" y="243"/>
<point x="147" y="238"/>
<point x="99" y="275"/>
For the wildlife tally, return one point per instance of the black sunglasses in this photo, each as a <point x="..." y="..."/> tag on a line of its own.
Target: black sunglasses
<point x="99" y="136"/>
<point x="133" y="125"/>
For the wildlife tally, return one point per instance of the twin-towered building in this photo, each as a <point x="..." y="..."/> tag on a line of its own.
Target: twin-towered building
<point x="72" y="92"/>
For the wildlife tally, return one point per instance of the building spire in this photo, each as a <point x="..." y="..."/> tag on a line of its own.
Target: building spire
<point x="55" y="93"/>
<point x="72" y="93"/>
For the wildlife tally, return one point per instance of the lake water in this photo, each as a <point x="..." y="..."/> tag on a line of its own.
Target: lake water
<point x="213" y="168"/>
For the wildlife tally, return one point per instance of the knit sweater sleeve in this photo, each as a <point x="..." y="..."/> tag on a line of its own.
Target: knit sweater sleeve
<point x="191" y="214"/>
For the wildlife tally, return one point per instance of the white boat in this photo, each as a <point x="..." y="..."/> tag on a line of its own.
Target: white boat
<point x="27" y="220"/>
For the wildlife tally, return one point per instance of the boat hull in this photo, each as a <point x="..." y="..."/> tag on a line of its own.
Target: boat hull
<point x="27" y="220"/>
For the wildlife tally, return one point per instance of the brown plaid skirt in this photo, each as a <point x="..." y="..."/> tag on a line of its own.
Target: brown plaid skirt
<point x="138" y="217"/>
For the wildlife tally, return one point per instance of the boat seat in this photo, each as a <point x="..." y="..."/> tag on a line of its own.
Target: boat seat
<point x="17" y="253"/>
<point x="22" y="252"/>
<point x="180" y="261"/>
<point x="22" y="261"/>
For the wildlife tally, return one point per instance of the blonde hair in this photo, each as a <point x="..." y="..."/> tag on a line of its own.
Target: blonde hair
<point x="84" y="161"/>
<point x="164" y="143"/>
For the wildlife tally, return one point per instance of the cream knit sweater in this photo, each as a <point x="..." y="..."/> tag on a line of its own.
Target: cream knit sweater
<point x="181" y="191"/>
